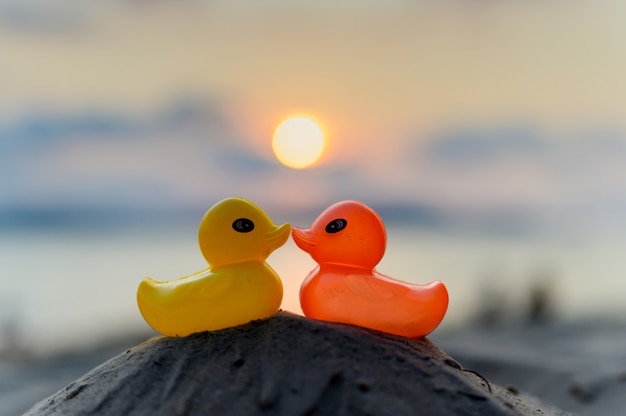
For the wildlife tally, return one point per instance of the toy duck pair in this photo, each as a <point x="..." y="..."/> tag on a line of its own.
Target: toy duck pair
<point x="347" y="241"/>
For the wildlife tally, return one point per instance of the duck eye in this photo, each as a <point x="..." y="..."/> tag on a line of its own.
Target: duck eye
<point x="336" y="225"/>
<point x="243" y="225"/>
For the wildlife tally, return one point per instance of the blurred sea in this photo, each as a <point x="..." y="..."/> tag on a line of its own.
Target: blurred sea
<point x="75" y="289"/>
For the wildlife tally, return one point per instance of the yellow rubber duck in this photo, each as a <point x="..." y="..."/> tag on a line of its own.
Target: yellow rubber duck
<point x="235" y="238"/>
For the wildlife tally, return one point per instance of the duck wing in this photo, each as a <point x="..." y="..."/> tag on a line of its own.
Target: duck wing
<point x="370" y="287"/>
<point x="204" y="285"/>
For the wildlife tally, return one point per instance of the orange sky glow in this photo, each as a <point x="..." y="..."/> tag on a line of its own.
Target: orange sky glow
<point x="369" y="68"/>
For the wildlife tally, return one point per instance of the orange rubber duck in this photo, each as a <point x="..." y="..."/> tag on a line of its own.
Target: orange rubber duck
<point x="347" y="241"/>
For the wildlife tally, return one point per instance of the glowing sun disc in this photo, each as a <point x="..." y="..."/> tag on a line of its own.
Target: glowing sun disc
<point x="298" y="142"/>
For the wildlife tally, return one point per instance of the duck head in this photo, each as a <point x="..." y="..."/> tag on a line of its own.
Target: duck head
<point x="347" y="233"/>
<point x="235" y="230"/>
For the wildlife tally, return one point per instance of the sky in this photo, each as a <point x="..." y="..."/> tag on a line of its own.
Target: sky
<point x="466" y="109"/>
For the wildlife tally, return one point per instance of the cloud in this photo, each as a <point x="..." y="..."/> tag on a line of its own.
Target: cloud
<point x="477" y="146"/>
<point x="123" y="160"/>
<point x="186" y="155"/>
<point x="45" y="17"/>
<point x="522" y="168"/>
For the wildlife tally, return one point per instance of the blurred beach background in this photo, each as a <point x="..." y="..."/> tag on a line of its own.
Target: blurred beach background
<point x="489" y="135"/>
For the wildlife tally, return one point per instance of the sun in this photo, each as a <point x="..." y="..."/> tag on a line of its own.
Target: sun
<point x="298" y="142"/>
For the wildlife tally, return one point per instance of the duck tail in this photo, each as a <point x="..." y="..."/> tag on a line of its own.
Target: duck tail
<point x="436" y="305"/>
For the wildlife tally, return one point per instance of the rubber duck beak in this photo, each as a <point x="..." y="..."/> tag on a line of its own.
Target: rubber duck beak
<point x="304" y="238"/>
<point x="278" y="235"/>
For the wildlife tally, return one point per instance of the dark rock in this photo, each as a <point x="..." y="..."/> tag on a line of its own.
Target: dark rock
<point x="286" y="365"/>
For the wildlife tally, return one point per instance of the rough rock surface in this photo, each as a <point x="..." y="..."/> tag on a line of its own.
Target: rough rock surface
<point x="577" y="365"/>
<point x="286" y="365"/>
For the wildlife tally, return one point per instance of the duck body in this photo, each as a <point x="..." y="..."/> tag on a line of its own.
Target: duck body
<point x="235" y="237"/>
<point x="211" y="299"/>
<point x="348" y="240"/>
<point x="373" y="300"/>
